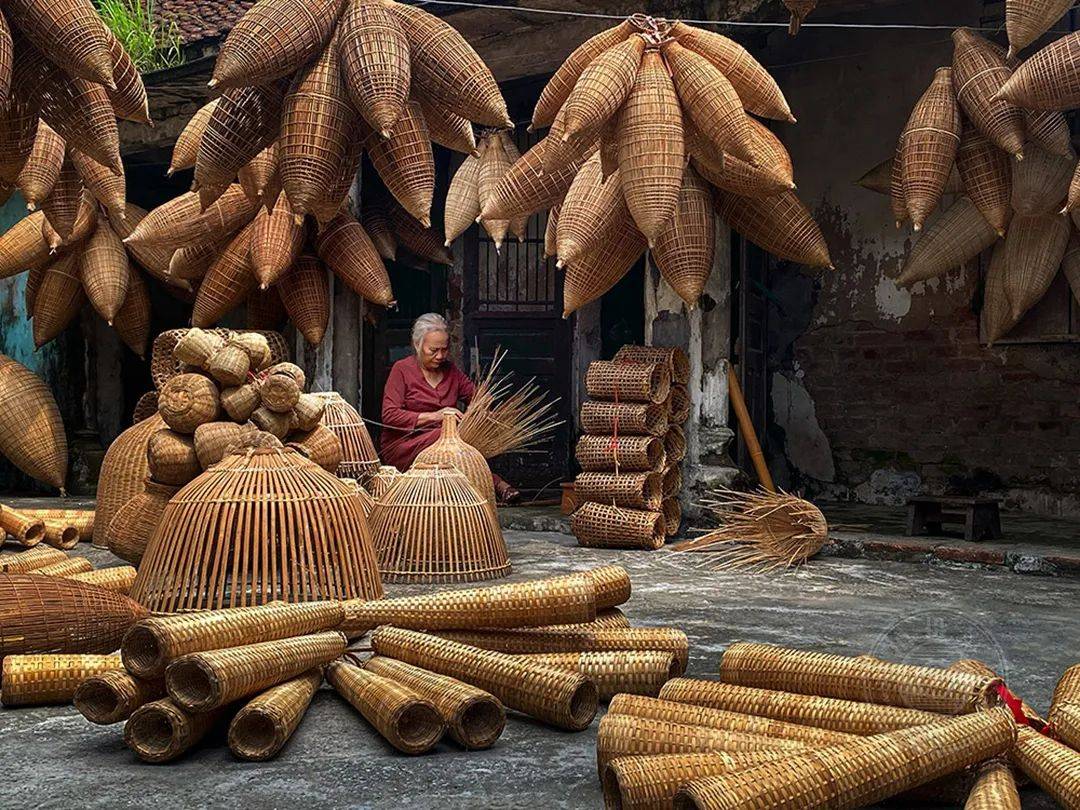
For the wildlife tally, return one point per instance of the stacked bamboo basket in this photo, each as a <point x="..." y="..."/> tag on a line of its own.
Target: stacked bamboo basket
<point x="632" y="450"/>
<point x="970" y="134"/>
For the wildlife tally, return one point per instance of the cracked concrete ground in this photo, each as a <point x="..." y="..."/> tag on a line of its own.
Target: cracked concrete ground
<point x="1025" y="626"/>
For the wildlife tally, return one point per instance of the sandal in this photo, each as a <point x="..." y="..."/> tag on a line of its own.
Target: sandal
<point x="507" y="496"/>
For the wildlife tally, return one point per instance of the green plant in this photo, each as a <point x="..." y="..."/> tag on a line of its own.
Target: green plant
<point x="152" y="44"/>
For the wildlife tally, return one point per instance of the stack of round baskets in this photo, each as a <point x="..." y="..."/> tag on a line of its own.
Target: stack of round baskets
<point x="632" y="449"/>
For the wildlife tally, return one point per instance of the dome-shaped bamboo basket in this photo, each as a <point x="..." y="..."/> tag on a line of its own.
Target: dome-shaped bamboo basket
<point x="432" y="526"/>
<point x="262" y="525"/>
<point x="359" y="459"/>
<point x="31" y="432"/>
<point x="451" y="450"/>
<point x="381" y="482"/>
<point x="123" y="472"/>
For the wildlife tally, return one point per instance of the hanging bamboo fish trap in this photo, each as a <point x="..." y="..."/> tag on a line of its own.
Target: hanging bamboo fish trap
<point x="348" y="251"/>
<point x="955" y="238"/>
<point x="432" y="526"/>
<point x="684" y="246"/>
<point x="1049" y="130"/>
<point x="603" y="86"/>
<point x="449" y="450"/>
<point x="1034" y="248"/>
<point x="249" y="565"/>
<point x="1047" y="79"/>
<point x="359" y="459"/>
<point x="979" y="72"/>
<point x="42" y="679"/>
<point x="1041" y="182"/>
<point x="598" y="525"/>
<point x="929" y="143"/>
<point x="987" y="176"/>
<point x="262" y="727"/>
<point x="1027" y="20"/>
<point x="779" y="224"/>
<point x="31" y="431"/>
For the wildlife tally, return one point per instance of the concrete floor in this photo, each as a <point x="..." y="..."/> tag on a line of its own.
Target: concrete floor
<point x="1024" y="626"/>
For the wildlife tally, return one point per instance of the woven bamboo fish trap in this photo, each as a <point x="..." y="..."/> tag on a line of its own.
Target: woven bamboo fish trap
<point x="187" y="401"/>
<point x="558" y="600"/>
<point x="37" y="557"/>
<point x="671" y="508"/>
<point x="165" y="363"/>
<point x="259" y="179"/>
<point x="590" y="213"/>
<point x="59" y="298"/>
<point x="262" y="727"/>
<point x="622" y="454"/>
<point x="409" y="722"/>
<point x="22" y="246"/>
<point x="72" y="565"/>
<point x="1041" y="182"/>
<point x="180" y="222"/>
<point x="153" y="259"/>
<point x="161" y="731"/>
<point x="632" y="672"/>
<point x="979" y="72"/>
<point x="780" y="224"/>
<point x="128" y="98"/>
<point x="462" y="199"/>
<point x="31" y="431"/>
<point x="631" y="490"/>
<point x="647" y="781"/>
<point x="561" y="699"/>
<point x="897" y="199"/>
<point x="132" y="322"/>
<point x="1027" y="20"/>
<point x="684" y="247"/>
<point x="82" y="115"/>
<point x="987" y="178"/>
<point x="41" y="679"/>
<point x="276" y="241"/>
<point x="320" y="445"/>
<point x="374" y="54"/>
<point x="1034" y="248"/>
<point x="494" y="163"/>
<point x="673" y="356"/>
<point x="172" y="458"/>
<point x="123" y="472"/>
<point x="1065" y="708"/>
<point x="383" y="479"/>
<point x="348" y="251"/>
<point x="424" y="243"/>
<point x="112" y="696"/>
<point x="633" y="418"/>
<point x="359" y="460"/>
<point x="866" y="679"/>
<point x="864" y="772"/>
<point x="603" y="86"/>
<point x="994" y="787"/>
<point x="375" y="217"/>
<point x="450" y="450"/>
<point x="628" y="382"/>
<point x="772" y="175"/>
<point x="70" y="32"/>
<point x="432" y="526"/>
<point x="405" y="163"/>
<point x="228" y="282"/>
<point x="279" y="393"/>
<point x="107" y="188"/>
<point x="24" y="530"/>
<point x="679" y="406"/>
<point x="186" y="148"/>
<point x="81" y="519"/>
<point x="955" y="238"/>
<point x="117" y="578"/>
<point x="446" y="127"/>
<point x="928" y="146"/>
<point x="42" y="168"/>
<point x="1051" y="765"/>
<point x="43" y="614"/>
<point x="603" y="526"/>
<point x="474" y="718"/>
<point x="1048" y="129"/>
<point x="526" y="188"/>
<point x="308" y="412"/>
<point x="1048" y="79"/>
<point x="135" y="522"/>
<point x="599" y="269"/>
<point x="215" y="440"/>
<point x="61" y="207"/>
<point x="249" y="564"/>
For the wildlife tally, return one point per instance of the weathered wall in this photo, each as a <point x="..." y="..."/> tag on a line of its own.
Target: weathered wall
<point x="878" y="392"/>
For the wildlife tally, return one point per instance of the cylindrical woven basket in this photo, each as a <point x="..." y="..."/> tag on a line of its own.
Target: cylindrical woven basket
<point x="674" y="444"/>
<point x="229" y="366"/>
<point x="672" y="480"/>
<point x="1050" y="764"/>
<point x="994" y="788"/>
<point x="622" y="454"/>
<point x="1065" y="708"/>
<point x="137" y="520"/>
<point x="865" y="679"/>
<point x="161" y="731"/>
<point x="628" y="382"/>
<point x="559" y="600"/>
<point x="673" y="356"/>
<point x="206" y="680"/>
<point x="598" y="525"/>
<point x="679" y="404"/>
<point x="630" y="418"/>
<point x="629" y="490"/>
<point x="37" y="680"/>
<point x="81" y="519"/>
<point x="612" y="586"/>
<point x="359" y="459"/>
<point x="152" y="644"/>
<point x="562" y="699"/>
<point x="117" y="578"/>
<point x="37" y="557"/>
<point x="473" y="718"/>
<point x="672" y="511"/>
<point x="611" y="617"/>
<point x="406" y="720"/>
<point x="634" y="672"/>
<point x="266" y="722"/>
<point x="123" y="473"/>
<point x="72" y="565"/>
<point x="25" y="531"/>
<point x="112" y="696"/>
<point x="650" y="782"/>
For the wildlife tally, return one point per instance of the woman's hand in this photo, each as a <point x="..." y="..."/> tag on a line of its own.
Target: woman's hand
<point x="435" y="417"/>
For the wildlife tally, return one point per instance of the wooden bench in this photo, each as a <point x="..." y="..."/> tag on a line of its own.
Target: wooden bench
<point x="981" y="517"/>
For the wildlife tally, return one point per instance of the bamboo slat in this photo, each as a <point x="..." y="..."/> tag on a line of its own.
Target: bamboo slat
<point x="929" y="143"/>
<point x="348" y="251"/>
<point x="1034" y="248"/>
<point x="266" y="722"/>
<point x="987" y="177"/>
<point x="43" y="679"/>
<point x="31" y="431"/>
<point x="359" y="460"/>
<point x="979" y="73"/>
<point x="955" y="238"/>
<point x="1047" y="80"/>
<point x="374" y="54"/>
<point x="112" y="696"/>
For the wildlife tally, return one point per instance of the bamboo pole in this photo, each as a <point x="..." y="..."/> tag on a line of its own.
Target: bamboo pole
<point x="746" y="427"/>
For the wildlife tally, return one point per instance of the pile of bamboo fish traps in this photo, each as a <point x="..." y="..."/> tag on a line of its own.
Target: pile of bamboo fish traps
<point x="649" y="138"/>
<point x="48" y="560"/>
<point x="970" y="135"/>
<point x="807" y="729"/>
<point x="59" y="528"/>
<point x="632" y="449"/>
<point x="474" y="182"/>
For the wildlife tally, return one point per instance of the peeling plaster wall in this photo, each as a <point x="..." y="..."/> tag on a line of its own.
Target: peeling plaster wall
<point x="877" y="392"/>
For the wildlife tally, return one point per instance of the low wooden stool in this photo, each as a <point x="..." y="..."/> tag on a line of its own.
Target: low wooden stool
<point x="981" y="516"/>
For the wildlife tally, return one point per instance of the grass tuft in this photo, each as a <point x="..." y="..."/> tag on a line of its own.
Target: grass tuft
<point x="152" y="44"/>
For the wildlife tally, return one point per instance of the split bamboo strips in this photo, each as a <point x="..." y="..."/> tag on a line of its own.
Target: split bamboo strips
<point x="979" y="72"/>
<point x="31" y="431"/>
<point x="181" y="222"/>
<point x="598" y="270"/>
<point x="24" y="561"/>
<point x="462" y="199"/>
<point x="37" y="680"/>
<point x="598" y="525"/>
<point x="930" y="140"/>
<point x="82" y="115"/>
<point x="994" y="788"/>
<point x="773" y="174"/>
<point x="955" y="238"/>
<point x="161" y="731"/>
<point x="58" y="299"/>
<point x="359" y="460"/>
<point x="494" y="163"/>
<point x="186" y="148"/>
<point x="70" y="32"/>
<point x="104" y="185"/>
<point x="450" y="450"/>
<point x="117" y="578"/>
<point x="22" y="246"/>
<point x="616" y="672"/>
<point x="1041" y="182"/>
<point x="1048" y="80"/>
<point x="42" y="168"/>
<point x="262" y="727"/>
<point x="1048" y="129"/>
<point x="1027" y="20"/>
<point x="112" y="696"/>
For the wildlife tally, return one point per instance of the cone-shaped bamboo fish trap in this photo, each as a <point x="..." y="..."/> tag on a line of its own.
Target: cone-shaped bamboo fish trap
<point x="359" y="459"/>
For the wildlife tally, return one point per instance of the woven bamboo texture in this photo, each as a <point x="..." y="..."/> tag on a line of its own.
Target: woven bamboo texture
<point x="375" y="218"/>
<point x="424" y="243"/>
<point x="1051" y="765"/>
<point x="955" y="238"/>
<point x="929" y="143"/>
<point x="1048" y="129"/>
<point x="161" y="731"/>
<point x="186" y="148"/>
<point x="409" y="722"/>
<point x="135" y="522"/>
<point x="675" y="444"/>
<point x="621" y="454"/>
<point x="228" y="282"/>
<point x="632" y="418"/>
<point x="449" y="450"/>
<point x="473" y="717"/>
<point x="603" y="86"/>
<point x="526" y="188"/>
<point x="133" y="320"/>
<point x="82" y="115"/>
<point x="181" y="222"/>
<point x="1027" y="20"/>
<point x="1047" y="80"/>
<point x="642" y="490"/>
<point x="381" y="482"/>
<point x="165" y="364"/>
<point x="42" y="168"/>
<point x="866" y="679"/>
<point x="42" y="679"/>
<point x="308" y="412"/>
<point x="81" y="519"/>
<point x="72" y="565"/>
<point x="530" y="640"/>
<point x="671" y="508"/>
<point x="155" y="642"/>
<point x="628" y="382"/>
<point x="446" y="127"/>
<point x="107" y="188"/>
<point x="462" y="199"/>
<point x="780" y="224"/>
<point x="112" y="696"/>
<point x="43" y="614"/>
<point x="994" y="788"/>
<point x="37" y="557"/>
<point x="117" y="578"/>
<point x="203" y="681"/>
<point x="651" y="781"/>
<point x="279" y="393"/>
<point x="348" y="251"/>
<point x="260" y="178"/>
<point x="70" y="32"/>
<point x="597" y="525"/>
<point x="494" y="164"/>
<point x="1034" y="248"/>
<point x="31" y="431"/>
<point x="562" y="699"/>
<point x="979" y="72"/>
<point x="58" y="300"/>
<point x="609" y="617"/>
<point x="214" y="441"/>
<point x="320" y="445"/>
<point x="1065" y="708"/>
<point x="632" y="672"/>
<point x="22" y="246"/>
<point x="172" y="457"/>
<point x="684" y="246"/>
<point x="558" y="600"/>
<point x="262" y="727"/>
<point x="590" y="214"/>
<point x="1041" y="182"/>
<point x="773" y="174"/>
<point x="987" y="176"/>
<point x="599" y="269"/>
<point x="128" y="99"/>
<point x="103" y="268"/>
<point x="848" y="716"/>
<point x="24" y="530"/>
<point x="187" y="401"/>
<point x="374" y="54"/>
<point x="405" y="163"/>
<point x="612" y="585"/>
<point x="861" y="773"/>
<point x="276" y="241"/>
<point x="61" y="207"/>
<point x="432" y="526"/>
<point x="318" y="546"/>
<point x="359" y="460"/>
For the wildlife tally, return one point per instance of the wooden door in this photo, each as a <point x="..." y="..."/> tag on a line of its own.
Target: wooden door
<point x="750" y="265"/>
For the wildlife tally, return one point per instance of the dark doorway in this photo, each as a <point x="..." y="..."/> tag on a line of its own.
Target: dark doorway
<point x="749" y="352"/>
<point x="622" y="312"/>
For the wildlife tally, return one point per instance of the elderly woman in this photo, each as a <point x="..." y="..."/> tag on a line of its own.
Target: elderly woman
<point x="420" y="390"/>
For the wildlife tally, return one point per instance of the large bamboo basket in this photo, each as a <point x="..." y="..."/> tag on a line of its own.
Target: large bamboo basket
<point x="562" y="699"/>
<point x="955" y="238"/>
<point x="31" y="431"/>
<point x="161" y="731"/>
<point x="1027" y="20"/>
<point x="374" y="54"/>
<point x="276" y="241"/>
<point x="603" y="86"/>
<point x="128" y="99"/>
<point x="123" y="472"/>
<point x="685" y="245"/>
<point x="152" y="644"/>
<point x="929" y="143"/>
<point x="43" y="614"/>
<point x="33" y="558"/>
<point x="473" y="717"/>
<point x="622" y="454"/>
<point x="600" y="268"/>
<point x="1065" y="709"/>
<point x="405" y="719"/>
<point x="631" y="418"/>
<point x="598" y="525"/>
<point x="235" y="501"/>
<point x="526" y="188"/>
<point x="462" y="199"/>
<point x="181" y="222"/>
<point x="135" y="522"/>
<point x="266" y="722"/>
<point x="979" y="72"/>
<point x="228" y="282"/>
<point x="359" y="461"/>
<point x="630" y="490"/>
<point x="628" y="382"/>
<point x="616" y="672"/>
<point x="1048" y="79"/>
<point x="558" y="600"/>
<point x="590" y="212"/>
<point x="70" y="32"/>
<point x="37" y="680"/>
<point x="987" y="176"/>
<point x="450" y="450"/>
<point x="1034" y="248"/>
<point x="112" y="696"/>
<point x="780" y="224"/>
<point x="347" y="250"/>
<point x="863" y="678"/>
<point x="405" y="163"/>
<point x="42" y="168"/>
<point x="650" y="781"/>
<point x="861" y="773"/>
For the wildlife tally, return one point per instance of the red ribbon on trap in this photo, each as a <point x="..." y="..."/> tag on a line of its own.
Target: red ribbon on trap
<point x="1016" y="706"/>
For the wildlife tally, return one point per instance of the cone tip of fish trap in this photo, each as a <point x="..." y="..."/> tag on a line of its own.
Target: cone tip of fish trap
<point x="214" y="82"/>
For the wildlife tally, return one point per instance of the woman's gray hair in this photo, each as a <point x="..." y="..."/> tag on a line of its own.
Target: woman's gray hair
<point x="431" y="322"/>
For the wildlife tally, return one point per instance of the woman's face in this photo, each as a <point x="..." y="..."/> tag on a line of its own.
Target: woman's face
<point x="434" y="349"/>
